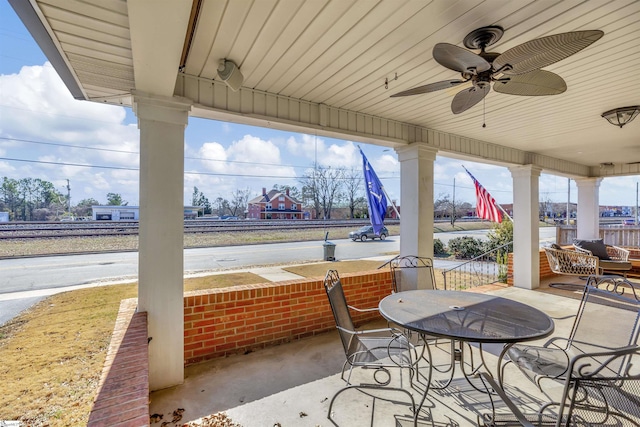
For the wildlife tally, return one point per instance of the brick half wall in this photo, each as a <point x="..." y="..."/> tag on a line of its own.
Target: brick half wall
<point x="226" y="321"/>
<point x="123" y="393"/>
<point x="545" y="269"/>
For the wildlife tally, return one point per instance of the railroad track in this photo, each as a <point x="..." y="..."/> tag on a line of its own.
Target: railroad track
<point x="38" y="230"/>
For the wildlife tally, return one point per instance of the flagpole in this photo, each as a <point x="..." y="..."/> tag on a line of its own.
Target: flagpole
<point x="496" y="203"/>
<point x="393" y="205"/>
<point x="504" y="212"/>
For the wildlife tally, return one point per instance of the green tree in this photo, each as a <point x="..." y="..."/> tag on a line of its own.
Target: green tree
<point x="199" y="199"/>
<point x="115" y="199"/>
<point x="26" y="193"/>
<point x="83" y="208"/>
<point x="9" y="200"/>
<point x="501" y="235"/>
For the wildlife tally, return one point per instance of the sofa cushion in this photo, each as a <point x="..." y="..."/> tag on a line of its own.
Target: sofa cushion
<point x="596" y="246"/>
<point x="616" y="265"/>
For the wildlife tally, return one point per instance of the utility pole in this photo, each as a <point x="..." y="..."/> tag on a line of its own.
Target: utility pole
<point x="68" y="197"/>
<point x="453" y="204"/>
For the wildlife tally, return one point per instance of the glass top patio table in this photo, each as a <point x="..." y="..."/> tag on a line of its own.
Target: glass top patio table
<point x="466" y="316"/>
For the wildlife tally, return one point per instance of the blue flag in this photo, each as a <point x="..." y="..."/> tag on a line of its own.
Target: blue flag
<point x="375" y="195"/>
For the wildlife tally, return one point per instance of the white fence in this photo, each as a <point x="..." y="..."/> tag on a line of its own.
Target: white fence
<point x="622" y="235"/>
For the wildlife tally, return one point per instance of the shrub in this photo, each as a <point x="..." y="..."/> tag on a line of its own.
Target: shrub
<point x="501" y="234"/>
<point x="438" y="247"/>
<point x="466" y="247"/>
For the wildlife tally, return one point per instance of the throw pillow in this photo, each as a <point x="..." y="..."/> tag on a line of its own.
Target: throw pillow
<point x="596" y="246"/>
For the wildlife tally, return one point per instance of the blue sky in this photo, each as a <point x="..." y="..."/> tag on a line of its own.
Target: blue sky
<point x="46" y="134"/>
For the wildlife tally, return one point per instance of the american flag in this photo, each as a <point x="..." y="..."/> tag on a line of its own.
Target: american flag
<point x="486" y="207"/>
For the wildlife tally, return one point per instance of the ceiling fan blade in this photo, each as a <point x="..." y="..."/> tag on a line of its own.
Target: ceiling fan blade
<point x="459" y="59"/>
<point x="467" y="98"/>
<point x="544" y="51"/>
<point x="535" y="83"/>
<point x="431" y="87"/>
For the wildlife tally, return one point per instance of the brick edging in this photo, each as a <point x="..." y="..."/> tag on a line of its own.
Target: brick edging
<point x="123" y="393"/>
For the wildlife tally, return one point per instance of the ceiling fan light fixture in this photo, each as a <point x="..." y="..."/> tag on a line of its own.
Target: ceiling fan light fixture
<point x="621" y="116"/>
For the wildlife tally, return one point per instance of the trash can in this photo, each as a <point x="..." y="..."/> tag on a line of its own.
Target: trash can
<point x="329" y="251"/>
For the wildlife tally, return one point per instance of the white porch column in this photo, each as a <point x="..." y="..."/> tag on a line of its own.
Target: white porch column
<point x="588" y="215"/>
<point x="416" y="202"/>
<point x="526" y="235"/>
<point x="162" y="121"/>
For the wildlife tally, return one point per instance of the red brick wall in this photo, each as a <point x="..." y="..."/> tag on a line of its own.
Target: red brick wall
<point x="545" y="270"/>
<point x="233" y="320"/>
<point x="123" y="395"/>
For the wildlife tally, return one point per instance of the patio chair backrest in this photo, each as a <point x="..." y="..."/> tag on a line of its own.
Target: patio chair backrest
<point x="340" y="309"/>
<point x="596" y="394"/>
<point x="565" y="261"/>
<point x="416" y="272"/>
<point x="608" y="318"/>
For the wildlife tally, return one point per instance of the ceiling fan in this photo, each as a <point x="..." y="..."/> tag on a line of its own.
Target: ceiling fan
<point x="517" y="71"/>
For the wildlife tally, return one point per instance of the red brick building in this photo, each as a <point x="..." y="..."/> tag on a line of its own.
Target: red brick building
<point x="274" y="205"/>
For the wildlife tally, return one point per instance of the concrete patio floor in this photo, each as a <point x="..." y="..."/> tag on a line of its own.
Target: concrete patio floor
<point x="291" y="385"/>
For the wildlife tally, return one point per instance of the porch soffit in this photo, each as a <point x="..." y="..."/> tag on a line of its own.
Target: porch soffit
<point x="305" y="59"/>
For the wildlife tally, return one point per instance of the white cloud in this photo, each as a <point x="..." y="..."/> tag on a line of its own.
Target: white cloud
<point x="311" y="147"/>
<point x="36" y="106"/>
<point x="250" y="162"/>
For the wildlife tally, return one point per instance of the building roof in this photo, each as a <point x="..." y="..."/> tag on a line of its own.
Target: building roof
<point x="270" y="196"/>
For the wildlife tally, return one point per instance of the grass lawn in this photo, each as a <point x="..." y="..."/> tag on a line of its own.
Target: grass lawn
<point x="51" y="356"/>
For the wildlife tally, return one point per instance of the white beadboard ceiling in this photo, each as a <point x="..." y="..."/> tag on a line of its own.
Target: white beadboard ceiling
<point x="338" y="53"/>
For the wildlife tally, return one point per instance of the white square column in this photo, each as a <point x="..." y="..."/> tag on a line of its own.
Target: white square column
<point x="588" y="215"/>
<point x="526" y="234"/>
<point x="416" y="201"/>
<point x="162" y="122"/>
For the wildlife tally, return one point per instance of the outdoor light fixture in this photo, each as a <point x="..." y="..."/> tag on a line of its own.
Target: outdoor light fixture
<point x="230" y="74"/>
<point x="621" y="116"/>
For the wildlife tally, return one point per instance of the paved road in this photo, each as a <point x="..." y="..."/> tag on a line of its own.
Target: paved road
<point x="25" y="281"/>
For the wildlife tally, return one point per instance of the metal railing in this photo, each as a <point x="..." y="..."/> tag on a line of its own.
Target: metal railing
<point x="490" y="267"/>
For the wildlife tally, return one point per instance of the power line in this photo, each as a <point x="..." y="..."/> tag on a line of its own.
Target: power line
<point x="58" y="144"/>
<point x="137" y="169"/>
<point x="68" y="164"/>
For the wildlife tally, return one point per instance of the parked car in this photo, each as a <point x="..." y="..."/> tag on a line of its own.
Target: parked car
<point x="366" y="232"/>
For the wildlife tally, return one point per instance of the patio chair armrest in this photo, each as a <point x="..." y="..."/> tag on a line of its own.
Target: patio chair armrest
<point x="369" y="331"/>
<point x="617" y="253"/>
<point x="488" y="379"/>
<point x="377" y="331"/>
<point x="362" y="310"/>
<point x="553" y="341"/>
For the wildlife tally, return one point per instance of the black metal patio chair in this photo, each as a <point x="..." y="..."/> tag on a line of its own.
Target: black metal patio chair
<point x="380" y="350"/>
<point x="608" y="318"/>
<point x="414" y="270"/>
<point x="596" y="392"/>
